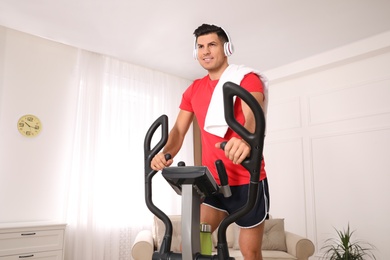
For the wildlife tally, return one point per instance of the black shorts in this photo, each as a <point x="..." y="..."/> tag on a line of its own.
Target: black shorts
<point x="238" y="199"/>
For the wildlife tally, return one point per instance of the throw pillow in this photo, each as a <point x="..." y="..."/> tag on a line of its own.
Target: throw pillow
<point x="274" y="237"/>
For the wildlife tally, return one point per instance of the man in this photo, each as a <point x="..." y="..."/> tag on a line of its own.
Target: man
<point x="212" y="48"/>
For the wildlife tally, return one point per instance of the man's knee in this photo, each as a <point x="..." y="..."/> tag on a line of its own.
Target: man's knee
<point x="252" y="255"/>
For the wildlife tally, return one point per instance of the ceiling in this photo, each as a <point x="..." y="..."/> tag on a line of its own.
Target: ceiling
<point x="158" y="33"/>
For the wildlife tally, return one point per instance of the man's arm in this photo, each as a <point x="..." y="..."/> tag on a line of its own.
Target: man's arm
<point x="250" y="123"/>
<point x="175" y="140"/>
<point x="237" y="149"/>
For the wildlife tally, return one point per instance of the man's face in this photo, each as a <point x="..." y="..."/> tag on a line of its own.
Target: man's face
<point x="210" y="52"/>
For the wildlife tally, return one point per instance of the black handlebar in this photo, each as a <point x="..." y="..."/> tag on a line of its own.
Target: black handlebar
<point x="253" y="162"/>
<point x="148" y="151"/>
<point x="255" y="139"/>
<point x="221" y="170"/>
<point x="162" y="122"/>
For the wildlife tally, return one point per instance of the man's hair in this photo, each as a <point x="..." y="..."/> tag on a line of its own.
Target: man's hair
<point x="210" y="28"/>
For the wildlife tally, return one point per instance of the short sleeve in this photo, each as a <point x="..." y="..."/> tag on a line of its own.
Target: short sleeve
<point x="252" y="83"/>
<point x="186" y="99"/>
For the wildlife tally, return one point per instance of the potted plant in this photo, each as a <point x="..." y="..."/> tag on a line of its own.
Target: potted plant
<point x="344" y="248"/>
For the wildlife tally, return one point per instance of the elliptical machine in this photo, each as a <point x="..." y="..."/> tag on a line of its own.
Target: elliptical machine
<point x="196" y="182"/>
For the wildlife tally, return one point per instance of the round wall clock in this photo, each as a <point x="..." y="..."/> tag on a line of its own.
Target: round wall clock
<point x="29" y="125"/>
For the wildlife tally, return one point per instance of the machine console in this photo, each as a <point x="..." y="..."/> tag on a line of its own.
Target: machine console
<point x="198" y="176"/>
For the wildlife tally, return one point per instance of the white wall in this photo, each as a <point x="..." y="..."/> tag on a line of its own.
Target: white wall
<point x="35" y="78"/>
<point x="2" y="58"/>
<point x="328" y="143"/>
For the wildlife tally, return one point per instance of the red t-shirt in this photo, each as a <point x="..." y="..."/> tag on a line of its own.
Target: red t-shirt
<point x="196" y="99"/>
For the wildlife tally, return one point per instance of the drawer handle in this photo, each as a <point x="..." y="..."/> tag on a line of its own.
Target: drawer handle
<point x="28" y="234"/>
<point x="25" y="256"/>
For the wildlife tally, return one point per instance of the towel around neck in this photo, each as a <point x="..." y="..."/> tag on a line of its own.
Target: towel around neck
<point x="215" y="121"/>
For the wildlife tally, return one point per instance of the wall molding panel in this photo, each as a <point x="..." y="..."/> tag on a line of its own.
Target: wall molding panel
<point x="364" y="100"/>
<point x="328" y="143"/>
<point x="291" y="172"/>
<point x="277" y="122"/>
<point x="360" y="50"/>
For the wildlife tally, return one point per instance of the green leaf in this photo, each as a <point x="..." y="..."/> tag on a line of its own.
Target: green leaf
<point x="344" y="248"/>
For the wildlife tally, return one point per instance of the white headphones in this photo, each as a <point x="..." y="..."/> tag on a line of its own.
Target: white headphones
<point x="227" y="47"/>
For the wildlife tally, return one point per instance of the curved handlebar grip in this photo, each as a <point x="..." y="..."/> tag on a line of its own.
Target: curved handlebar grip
<point x="255" y="139"/>
<point x="149" y="152"/>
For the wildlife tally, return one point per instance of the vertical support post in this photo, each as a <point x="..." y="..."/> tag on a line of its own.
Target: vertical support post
<point x="190" y="221"/>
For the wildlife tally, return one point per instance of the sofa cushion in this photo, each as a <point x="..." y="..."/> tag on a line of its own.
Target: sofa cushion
<point x="274" y="237"/>
<point x="277" y="255"/>
<point x="159" y="231"/>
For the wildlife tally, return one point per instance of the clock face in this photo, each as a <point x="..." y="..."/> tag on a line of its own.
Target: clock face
<point x="29" y="125"/>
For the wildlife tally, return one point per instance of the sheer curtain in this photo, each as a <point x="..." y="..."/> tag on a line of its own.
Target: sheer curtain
<point x="117" y="103"/>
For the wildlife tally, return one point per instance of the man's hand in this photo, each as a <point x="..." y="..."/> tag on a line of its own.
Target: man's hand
<point x="237" y="150"/>
<point x="159" y="162"/>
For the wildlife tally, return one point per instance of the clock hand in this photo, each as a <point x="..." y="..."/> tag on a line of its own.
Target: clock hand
<point x="27" y="124"/>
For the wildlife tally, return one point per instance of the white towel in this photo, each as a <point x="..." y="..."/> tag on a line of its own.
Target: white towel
<point x="215" y="120"/>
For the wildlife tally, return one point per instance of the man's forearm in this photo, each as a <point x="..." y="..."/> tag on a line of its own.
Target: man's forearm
<point x="174" y="143"/>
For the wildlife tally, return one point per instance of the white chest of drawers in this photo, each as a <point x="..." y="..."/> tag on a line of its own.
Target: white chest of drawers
<point x="35" y="240"/>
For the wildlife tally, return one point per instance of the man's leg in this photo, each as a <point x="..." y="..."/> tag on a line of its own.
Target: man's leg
<point x="250" y="242"/>
<point x="211" y="216"/>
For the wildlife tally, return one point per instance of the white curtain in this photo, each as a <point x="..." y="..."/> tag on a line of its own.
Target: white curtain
<point x="117" y="103"/>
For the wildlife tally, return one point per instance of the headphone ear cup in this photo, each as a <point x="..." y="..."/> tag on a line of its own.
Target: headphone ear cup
<point x="228" y="48"/>
<point x="195" y="53"/>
